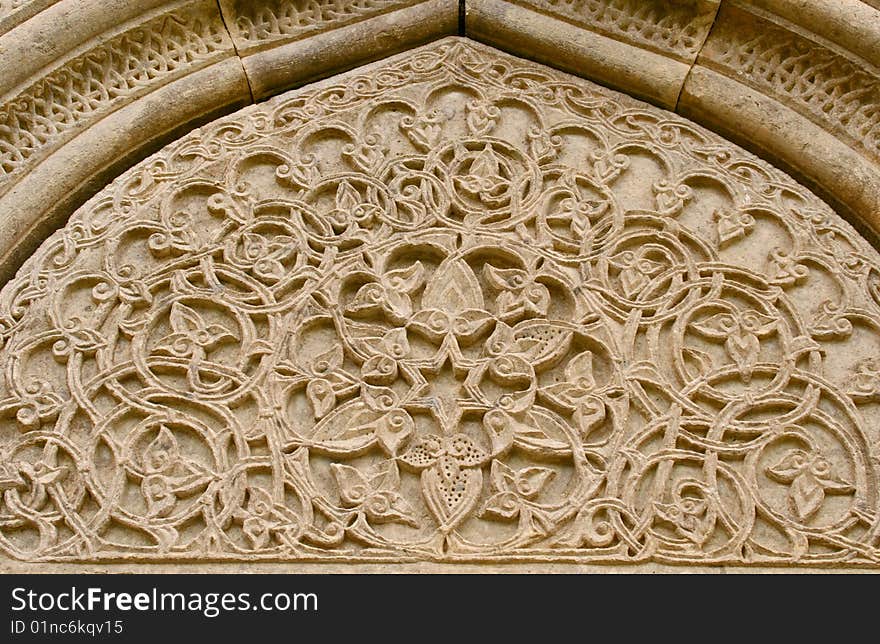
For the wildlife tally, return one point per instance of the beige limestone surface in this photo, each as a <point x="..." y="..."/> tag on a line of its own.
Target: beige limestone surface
<point x="90" y="87"/>
<point x="453" y="309"/>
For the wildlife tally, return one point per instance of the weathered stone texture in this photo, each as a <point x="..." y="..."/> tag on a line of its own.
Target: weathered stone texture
<point x="454" y="307"/>
<point x="452" y="310"/>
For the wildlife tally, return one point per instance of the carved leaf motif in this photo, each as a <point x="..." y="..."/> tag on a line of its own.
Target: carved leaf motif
<point x="784" y="270"/>
<point x="158" y="495"/>
<point x="190" y="330"/>
<point x="379" y="370"/>
<point x="511" y="279"/>
<point x="328" y="361"/>
<point x="87" y="341"/>
<point x="690" y="520"/>
<point x="807" y="495"/>
<point x="424" y="453"/>
<point x="542" y="341"/>
<point x="809" y="477"/>
<point x="512" y="487"/>
<point x="321" y="396"/>
<point x="500" y="428"/>
<point x="453" y="288"/>
<point x="431" y="323"/>
<point x="406" y="280"/>
<point x="393" y="429"/>
<point x="502" y="340"/>
<point x="368" y="299"/>
<point x="636" y="271"/>
<point x="740" y="331"/>
<point x="501" y="505"/>
<point x="588" y="415"/>
<point x="541" y="433"/>
<point x="633" y="281"/>
<point x="450" y="491"/>
<point x="701" y="359"/>
<point x="531" y="480"/>
<point x="380" y="399"/>
<point x="579" y="371"/>
<point x="353" y="486"/>
<point x="377" y="496"/>
<point x="10" y="477"/>
<point x="732" y="226"/>
<point x="398" y="304"/>
<point x="424" y="130"/>
<point x="470" y="323"/>
<point x="395" y="343"/>
<point x="347" y="198"/>
<point x="743" y="348"/>
<point x="486" y="165"/>
<point x="864" y="384"/>
<point x="384" y="506"/>
<point x="162" y="452"/>
<point x="185" y="319"/>
<point x="348" y="429"/>
<point x="464" y="450"/>
<point x="511" y="369"/>
<point x="503" y="478"/>
<point x="718" y="326"/>
<point x="481" y="117"/>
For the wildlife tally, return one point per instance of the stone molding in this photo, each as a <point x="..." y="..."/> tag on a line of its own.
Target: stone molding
<point x="451" y="307"/>
<point x="88" y="88"/>
<point x="702" y="58"/>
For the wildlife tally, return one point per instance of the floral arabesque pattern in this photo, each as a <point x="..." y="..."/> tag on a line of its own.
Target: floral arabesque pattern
<point x="460" y="307"/>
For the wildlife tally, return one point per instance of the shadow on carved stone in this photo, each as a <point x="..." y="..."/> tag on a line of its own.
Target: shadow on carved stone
<point x="452" y="307"/>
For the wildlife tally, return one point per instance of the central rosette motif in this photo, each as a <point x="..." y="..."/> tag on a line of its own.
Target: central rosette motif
<point x="453" y="368"/>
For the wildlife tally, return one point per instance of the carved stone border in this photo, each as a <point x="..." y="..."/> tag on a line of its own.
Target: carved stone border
<point x="90" y="87"/>
<point x="80" y="79"/>
<point x="815" y="113"/>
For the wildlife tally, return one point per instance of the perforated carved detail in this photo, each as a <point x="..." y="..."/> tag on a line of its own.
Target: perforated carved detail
<point x="454" y="307"/>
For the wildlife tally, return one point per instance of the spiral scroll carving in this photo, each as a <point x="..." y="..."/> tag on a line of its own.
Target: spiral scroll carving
<point x="456" y="307"/>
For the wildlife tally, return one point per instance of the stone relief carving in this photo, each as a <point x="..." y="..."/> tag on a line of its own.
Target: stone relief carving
<point x="35" y="118"/>
<point x="824" y="85"/>
<point x="678" y="28"/>
<point x="456" y="307"/>
<point x="298" y="18"/>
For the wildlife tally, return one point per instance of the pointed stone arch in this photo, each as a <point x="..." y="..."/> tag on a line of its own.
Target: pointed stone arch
<point x="452" y="308"/>
<point x="89" y="87"/>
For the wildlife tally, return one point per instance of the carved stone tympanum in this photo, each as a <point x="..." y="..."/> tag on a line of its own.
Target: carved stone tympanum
<point x="453" y="307"/>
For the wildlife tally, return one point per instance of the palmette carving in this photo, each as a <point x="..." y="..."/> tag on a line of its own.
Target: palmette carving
<point x="459" y="307"/>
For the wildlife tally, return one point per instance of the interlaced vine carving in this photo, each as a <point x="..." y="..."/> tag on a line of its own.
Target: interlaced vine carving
<point x="459" y="307"/>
